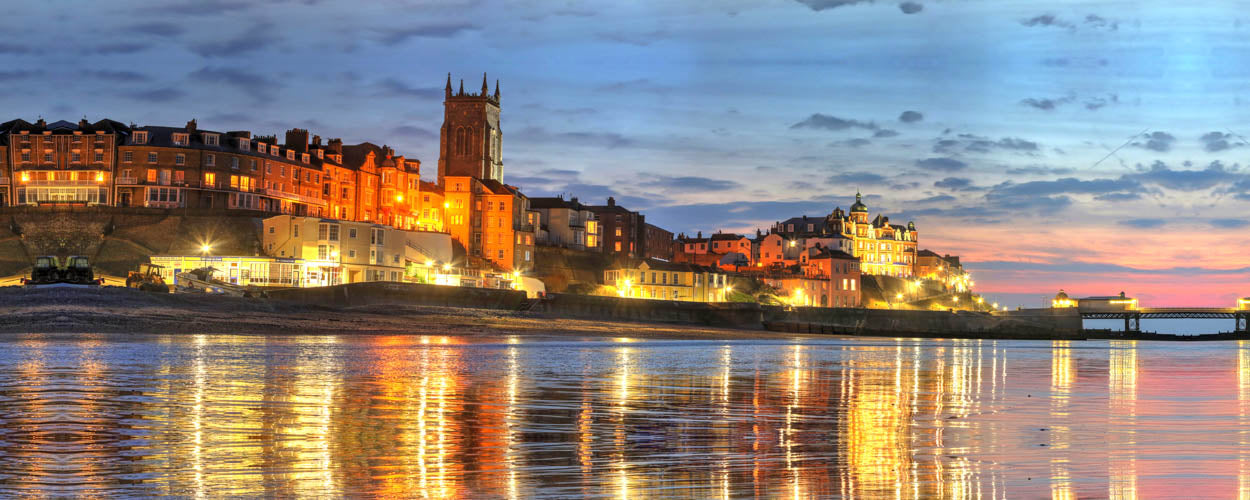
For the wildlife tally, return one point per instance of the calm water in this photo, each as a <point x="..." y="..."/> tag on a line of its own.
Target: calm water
<point x="439" y="417"/>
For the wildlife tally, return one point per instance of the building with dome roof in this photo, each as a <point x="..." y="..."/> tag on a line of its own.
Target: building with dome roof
<point x="883" y="248"/>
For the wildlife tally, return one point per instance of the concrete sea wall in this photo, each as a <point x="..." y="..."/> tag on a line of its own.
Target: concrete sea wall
<point x="1035" y="324"/>
<point x="385" y="293"/>
<point x="848" y="321"/>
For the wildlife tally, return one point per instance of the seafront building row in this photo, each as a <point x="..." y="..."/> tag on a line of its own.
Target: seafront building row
<point x="342" y="213"/>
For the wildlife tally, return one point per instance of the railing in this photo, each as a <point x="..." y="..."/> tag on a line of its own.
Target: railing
<point x="127" y="181"/>
<point x="4" y="180"/>
<point x="56" y="183"/>
<point x="293" y="196"/>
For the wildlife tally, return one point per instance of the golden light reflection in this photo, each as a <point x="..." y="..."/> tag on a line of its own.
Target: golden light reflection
<point x="1243" y="405"/>
<point x="1122" y="376"/>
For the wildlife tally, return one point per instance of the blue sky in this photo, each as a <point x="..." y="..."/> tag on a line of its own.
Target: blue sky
<point x="991" y="124"/>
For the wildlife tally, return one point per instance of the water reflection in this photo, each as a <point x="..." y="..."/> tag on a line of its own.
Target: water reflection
<point x="439" y="417"/>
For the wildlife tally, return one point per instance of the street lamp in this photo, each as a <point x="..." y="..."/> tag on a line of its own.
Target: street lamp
<point x="206" y="248"/>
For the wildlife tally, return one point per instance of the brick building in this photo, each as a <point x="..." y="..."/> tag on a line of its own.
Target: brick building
<point x="624" y="231"/>
<point x="110" y="163"/>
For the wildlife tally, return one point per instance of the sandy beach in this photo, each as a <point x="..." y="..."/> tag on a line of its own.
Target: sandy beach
<point x="121" y="310"/>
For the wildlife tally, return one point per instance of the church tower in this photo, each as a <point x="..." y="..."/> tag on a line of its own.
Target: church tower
<point x="470" y="142"/>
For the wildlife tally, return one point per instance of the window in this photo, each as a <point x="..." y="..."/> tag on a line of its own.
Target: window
<point x="234" y="163"/>
<point x="377" y="237"/>
<point x="47" y="157"/>
<point x="179" y="176"/>
<point x="251" y="164"/>
<point x="273" y="150"/>
<point x="75" y="157"/>
<point x="151" y="175"/>
<point x="501" y="253"/>
<point x="180" y="159"/>
<point x="351" y="233"/>
<point x="290" y="154"/>
<point x="304" y="158"/>
<point x="270" y="229"/>
<point x="210" y="160"/>
<point x="260" y="147"/>
<point x="295" y="231"/>
<point x="141" y="137"/>
<point x="181" y="139"/>
<point x="245" y="144"/>
<point x="151" y="157"/>
<point x="99" y="157"/>
<point x="25" y="157"/>
<point x="210" y="139"/>
<point x="210" y="179"/>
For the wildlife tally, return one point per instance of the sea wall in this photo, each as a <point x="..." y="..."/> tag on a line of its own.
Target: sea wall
<point x="733" y="315"/>
<point x="848" y="321"/>
<point x="845" y="321"/>
<point x="386" y="293"/>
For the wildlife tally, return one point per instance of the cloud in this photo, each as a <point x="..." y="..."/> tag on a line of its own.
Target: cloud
<point x="1066" y="185"/>
<point x="1099" y="22"/>
<point x="1046" y="20"/>
<point x="117" y="76"/>
<point x="941" y="198"/>
<point x="637" y="39"/>
<point x="1157" y="141"/>
<point x="1215" y="174"/>
<point x="910" y="117"/>
<point x="1096" y="103"/>
<point x="689" y="183"/>
<point x="249" y="83"/>
<point x="819" y="5"/>
<point x="206" y="7"/>
<point x="979" y="144"/>
<point x="1228" y="223"/>
<point x="395" y="88"/>
<point x="13" y="48"/>
<point x="449" y="30"/>
<point x="1118" y="197"/>
<point x="608" y="140"/>
<point x="116" y="48"/>
<point x="910" y="7"/>
<point x="1218" y="141"/>
<point x="19" y="74"/>
<point x="941" y="164"/>
<point x="954" y="183"/>
<point x="1145" y="223"/>
<point x="852" y="143"/>
<point x="415" y="132"/>
<point x="163" y="94"/>
<point x="856" y="178"/>
<point x="885" y="132"/>
<point x="1039" y="170"/>
<point x="1091" y="21"/>
<point x="257" y="37"/>
<point x="1045" y="104"/>
<point x="167" y="30"/>
<point x="822" y="121"/>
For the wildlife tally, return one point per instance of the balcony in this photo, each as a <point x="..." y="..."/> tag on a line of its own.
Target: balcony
<point x="4" y="180"/>
<point x="311" y="200"/>
<point x="127" y="181"/>
<point x="64" y="183"/>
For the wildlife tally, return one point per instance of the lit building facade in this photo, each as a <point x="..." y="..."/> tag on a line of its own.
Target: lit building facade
<point x="656" y="279"/>
<point x="336" y="251"/>
<point x="566" y="223"/>
<point x="883" y="248"/>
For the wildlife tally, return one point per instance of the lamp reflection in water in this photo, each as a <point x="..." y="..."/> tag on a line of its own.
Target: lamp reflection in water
<point x="1062" y="373"/>
<point x="1122" y="394"/>
<point x="1243" y="412"/>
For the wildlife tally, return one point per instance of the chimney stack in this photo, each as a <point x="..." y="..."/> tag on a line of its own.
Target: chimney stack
<point x="611" y="201"/>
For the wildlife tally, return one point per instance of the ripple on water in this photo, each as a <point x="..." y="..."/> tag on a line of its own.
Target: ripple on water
<point x="438" y="417"/>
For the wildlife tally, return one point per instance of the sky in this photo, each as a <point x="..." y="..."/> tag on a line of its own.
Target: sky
<point x="1090" y="146"/>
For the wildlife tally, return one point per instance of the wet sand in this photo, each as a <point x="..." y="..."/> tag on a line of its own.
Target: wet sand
<point x="121" y="310"/>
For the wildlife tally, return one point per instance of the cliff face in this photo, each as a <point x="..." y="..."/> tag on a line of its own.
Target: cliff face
<point x="119" y="239"/>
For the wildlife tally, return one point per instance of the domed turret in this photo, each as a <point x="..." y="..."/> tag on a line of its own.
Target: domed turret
<point x="859" y="205"/>
<point x="1062" y="300"/>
